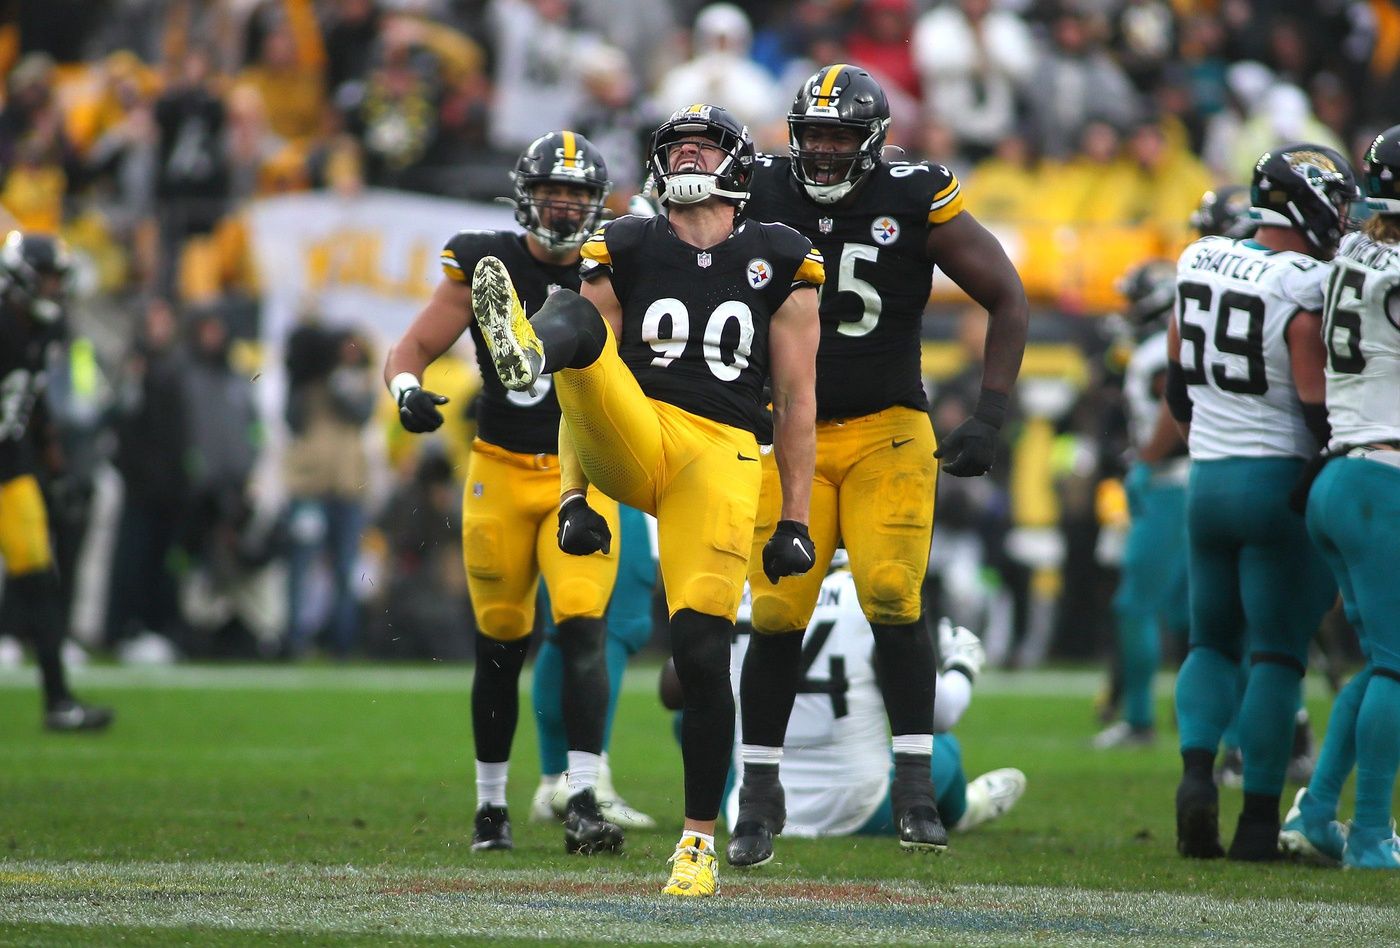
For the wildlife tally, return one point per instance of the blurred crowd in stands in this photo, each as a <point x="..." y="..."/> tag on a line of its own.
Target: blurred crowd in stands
<point x="142" y="129"/>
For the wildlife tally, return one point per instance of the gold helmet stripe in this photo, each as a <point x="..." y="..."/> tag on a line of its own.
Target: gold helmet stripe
<point x="570" y="150"/>
<point x="829" y="80"/>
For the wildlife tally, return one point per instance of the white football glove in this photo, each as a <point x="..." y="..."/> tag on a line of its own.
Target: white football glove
<point x="961" y="650"/>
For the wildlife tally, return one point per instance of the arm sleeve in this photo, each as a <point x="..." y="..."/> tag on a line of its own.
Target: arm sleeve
<point x="571" y="476"/>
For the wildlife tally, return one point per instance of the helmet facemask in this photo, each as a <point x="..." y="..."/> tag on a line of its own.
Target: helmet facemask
<point x="39" y="271"/>
<point x="693" y="180"/>
<point x="828" y="175"/>
<point x="558" y="223"/>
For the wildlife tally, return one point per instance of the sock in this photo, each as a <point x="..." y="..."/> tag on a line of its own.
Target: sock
<point x="1198" y="764"/>
<point x="908" y="675"/>
<point x="768" y="686"/>
<point x="921" y="744"/>
<point x="547" y="696"/>
<point x="1377" y="754"/>
<point x="708" y="840"/>
<point x="496" y="695"/>
<point x="1260" y="807"/>
<point x="40" y="601"/>
<point x="583" y="771"/>
<point x="759" y="754"/>
<point x="761" y="796"/>
<point x="1338" y="754"/>
<point x="700" y="647"/>
<point x="948" y="776"/>
<point x="491" y="783"/>
<point x="1138" y="648"/>
<point x="1205" y="697"/>
<point x="913" y="783"/>
<point x="585" y="701"/>
<point x="1266" y="725"/>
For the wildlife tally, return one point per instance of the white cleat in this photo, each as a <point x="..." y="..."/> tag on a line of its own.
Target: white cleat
<point x="551" y="796"/>
<point x="990" y="796"/>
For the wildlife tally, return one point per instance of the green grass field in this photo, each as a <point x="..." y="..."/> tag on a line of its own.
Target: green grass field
<point x="275" y="805"/>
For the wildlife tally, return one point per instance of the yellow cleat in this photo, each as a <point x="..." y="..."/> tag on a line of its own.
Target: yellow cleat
<point x="694" y="869"/>
<point x="515" y="349"/>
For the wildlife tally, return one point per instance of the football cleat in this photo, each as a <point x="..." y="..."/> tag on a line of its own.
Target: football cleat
<point x="1373" y="853"/>
<point x="515" y="349"/>
<point x="586" y="830"/>
<point x="1311" y="840"/>
<point x="750" y="845"/>
<point x="1198" y="819"/>
<point x="1255" y="841"/>
<point x="922" y="830"/>
<point x="694" y="869"/>
<point x="1123" y="734"/>
<point x="990" y="796"/>
<point x="73" y="715"/>
<point x="549" y="801"/>
<point x="762" y="813"/>
<point x="492" y="829"/>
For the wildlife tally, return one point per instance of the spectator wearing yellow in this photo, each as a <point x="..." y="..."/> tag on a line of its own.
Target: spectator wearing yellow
<point x="289" y="74"/>
<point x="1089" y="188"/>
<point x="1167" y="182"/>
<point x="1005" y="186"/>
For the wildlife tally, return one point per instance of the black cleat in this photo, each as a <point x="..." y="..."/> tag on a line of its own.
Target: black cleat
<point x="73" y="715"/>
<point x="586" y="830"/>
<point x="1198" y="819"/>
<point x="921" y="829"/>
<point x="750" y="845"/>
<point x="492" y="829"/>
<point x="1255" y="841"/>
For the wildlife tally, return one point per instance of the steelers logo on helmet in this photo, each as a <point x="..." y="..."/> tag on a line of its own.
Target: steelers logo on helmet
<point x="836" y="130"/>
<point x="702" y="152"/>
<point x="550" y="164"/>
<point x="885" y="230"/>
<point x="760" y="273"/>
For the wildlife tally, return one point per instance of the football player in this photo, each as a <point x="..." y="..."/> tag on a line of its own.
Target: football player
<point x="881" y="226"/>
<point x="659" y="364"/>
<point x="1152" y="587"/>
<point x="1352" y="509"/>
<point x="1224" y="212"/>
<point x="1245" y="381"/>
<point x="513" y="488"/>
<point x="34" y="276"/>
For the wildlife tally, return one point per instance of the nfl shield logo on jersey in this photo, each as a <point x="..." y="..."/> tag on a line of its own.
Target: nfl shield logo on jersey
<point x="702" y="259"/>
<point x="824" y="225"/>
<point x="759" y="273"/>
<point x="885" y="230"/>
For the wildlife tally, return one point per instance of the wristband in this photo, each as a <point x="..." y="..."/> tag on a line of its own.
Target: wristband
<point x="402" y="383"/>
<point x="991" y="407"/>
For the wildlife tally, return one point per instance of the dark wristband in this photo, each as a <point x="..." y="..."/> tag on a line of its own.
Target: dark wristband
<point x="991" y="407"/>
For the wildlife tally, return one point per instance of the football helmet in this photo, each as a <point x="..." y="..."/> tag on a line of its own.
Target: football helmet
<point x="1150" y="289"/>
<point x="37" y="270"/>
<point x="729" y="181"/>
<point x="560" y="158"/>
<point x="1380" y="173"/>
<point x="1307" y="188"/>
<point x="1224" y="212"/>
<point x="843" y="96"/>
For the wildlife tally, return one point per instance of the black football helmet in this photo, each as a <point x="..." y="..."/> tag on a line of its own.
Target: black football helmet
<point x="1224" y="212"/>
<point x="847" y="97"/>
<point x="1307" y="188"/>
<point x="37" y="271"/>
<point x="560" y="158"/>
<point x="1150" y="289"/>
<point x="1380" y="173"/>
<point x="729" y="181"/>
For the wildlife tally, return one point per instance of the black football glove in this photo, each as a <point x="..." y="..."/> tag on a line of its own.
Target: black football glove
<point x="789" y="551"/>
<point x="582" y="530"/>
<point x="971" y="447"/>
<point x="418" y="410"/>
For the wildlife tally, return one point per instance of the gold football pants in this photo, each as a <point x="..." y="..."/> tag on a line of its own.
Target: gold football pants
<point x="24" y="527"/>
<point x="700" y="478"/>
<point x="509" y="521"/>
<point x="873" y="491"/>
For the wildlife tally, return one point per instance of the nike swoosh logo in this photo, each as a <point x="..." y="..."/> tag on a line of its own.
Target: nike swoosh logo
<point x="742" y="458"/>
<point x="801" y="549"/>
<point x="563" y="532"/>
<point x="899" y="444"/>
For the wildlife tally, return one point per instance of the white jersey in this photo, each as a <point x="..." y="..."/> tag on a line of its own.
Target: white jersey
<point x="1235" y="300"/>
<point x="836" y="754"/>
<point x="1149" y="361"/>
<point x="1361" y="328"/>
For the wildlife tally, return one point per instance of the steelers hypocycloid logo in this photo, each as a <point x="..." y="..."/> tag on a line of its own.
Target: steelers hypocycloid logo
<point x="885" y="230"/>
<point x="760" y="272"/>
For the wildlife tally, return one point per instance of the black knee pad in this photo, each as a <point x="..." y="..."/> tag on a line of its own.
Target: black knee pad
<point x="571" y="329"/>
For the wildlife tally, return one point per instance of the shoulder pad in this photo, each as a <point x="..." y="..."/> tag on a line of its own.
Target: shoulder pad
<point x="463" y="250"/>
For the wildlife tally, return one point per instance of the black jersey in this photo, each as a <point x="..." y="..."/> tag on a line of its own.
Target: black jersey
<point x="695" y="322"/>
<point x="875" y="247"/>
<point x="24" y="348"/>
<point x="516" y="421"/>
